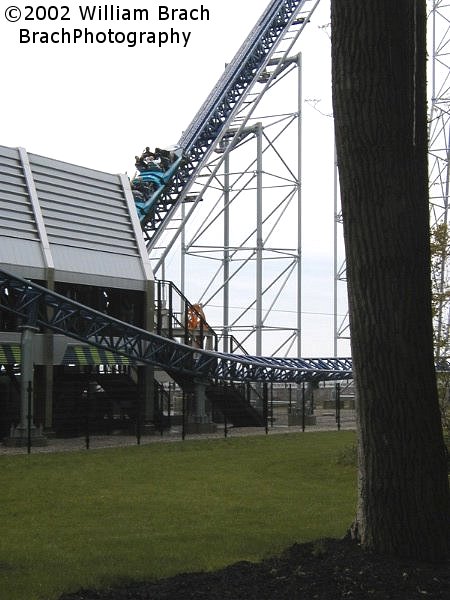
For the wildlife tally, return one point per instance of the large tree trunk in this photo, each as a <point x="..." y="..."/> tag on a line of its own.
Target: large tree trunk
<point x="379" y="96"/>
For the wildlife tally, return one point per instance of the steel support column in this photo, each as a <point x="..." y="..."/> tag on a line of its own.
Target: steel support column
<point x="259" y="239"/>
<point x="226" y="255"/>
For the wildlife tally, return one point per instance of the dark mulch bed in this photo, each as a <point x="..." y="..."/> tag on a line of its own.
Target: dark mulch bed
<point x="323" y="570"/>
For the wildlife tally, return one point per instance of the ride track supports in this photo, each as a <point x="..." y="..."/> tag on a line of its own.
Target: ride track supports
<point x="438" y="175"/>
<point x="282" y="21"/>
<point x="259" y="239"/>
<point x="26" y="380"/>
<point x="438" y="157"/>
<point x="226" y="255"/>
<point x="299" y="206"/>
<point x="62" y="315"/>
<point x="26" y="433"/>
<point x="199" y="414"/>
<point x="255" y="240"/>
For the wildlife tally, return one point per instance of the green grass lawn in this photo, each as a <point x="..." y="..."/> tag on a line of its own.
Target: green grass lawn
<point x="80" y="519"/>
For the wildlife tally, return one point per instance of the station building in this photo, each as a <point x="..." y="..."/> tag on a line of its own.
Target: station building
<point x="75" y="231"/>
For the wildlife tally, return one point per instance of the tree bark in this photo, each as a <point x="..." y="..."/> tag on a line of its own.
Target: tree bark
<point x="379" y="98"/>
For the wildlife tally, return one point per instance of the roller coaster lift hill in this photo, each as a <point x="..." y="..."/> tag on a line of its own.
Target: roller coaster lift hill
<point x="164" y="177"/>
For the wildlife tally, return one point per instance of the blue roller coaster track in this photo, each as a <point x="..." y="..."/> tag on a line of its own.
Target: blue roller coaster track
<point x="281" y="19"/>
<point x="47" y="310"/>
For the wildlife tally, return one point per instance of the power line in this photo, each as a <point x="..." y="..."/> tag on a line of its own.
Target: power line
<point x="279" y="310"/>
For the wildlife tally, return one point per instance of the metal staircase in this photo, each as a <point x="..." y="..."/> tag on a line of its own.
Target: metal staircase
<point x="178" y="319"/>
<point x="234" y="406"/>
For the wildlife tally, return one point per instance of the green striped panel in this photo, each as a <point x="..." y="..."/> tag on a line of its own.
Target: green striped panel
<point x="10" y="354"/>
<point x="90" y="355"/>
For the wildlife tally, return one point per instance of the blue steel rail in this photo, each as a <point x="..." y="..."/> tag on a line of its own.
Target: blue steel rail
<point x="221" y="105"/>
<point x="47" y="310"/>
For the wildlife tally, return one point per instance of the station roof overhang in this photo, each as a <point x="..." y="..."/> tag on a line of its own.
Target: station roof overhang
<point x="69" y="223"/>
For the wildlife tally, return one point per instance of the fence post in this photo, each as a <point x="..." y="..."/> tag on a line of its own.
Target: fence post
<point x="138" y="415"/>
<point x="338" y="405"/>
<point x="29" y="416"/>
<point x="266" y="407"/>
<point x="85" y="396"/>
<point x="303" y="405"/>
<point x="183" y="427"/>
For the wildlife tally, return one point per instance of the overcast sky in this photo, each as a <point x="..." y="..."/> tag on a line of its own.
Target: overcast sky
<point x="99" y="104"/>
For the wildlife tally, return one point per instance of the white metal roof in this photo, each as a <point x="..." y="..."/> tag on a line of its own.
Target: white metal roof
<point x="76" y="223"/>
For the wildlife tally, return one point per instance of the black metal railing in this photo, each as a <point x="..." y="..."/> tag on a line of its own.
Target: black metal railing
<point x="177" y="318"/>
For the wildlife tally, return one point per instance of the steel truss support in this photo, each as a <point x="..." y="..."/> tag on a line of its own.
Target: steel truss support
<point x="246" y="236"/>
<point x="341" y="323"/>
<point x="439" y="177"/>
<point x="439" y="149"/>
<point x="45" y="310"/>
<point x="269" y="42"/>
